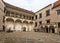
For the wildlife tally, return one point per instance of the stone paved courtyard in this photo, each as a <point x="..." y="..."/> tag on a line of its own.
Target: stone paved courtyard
<point x="29" y="37"/>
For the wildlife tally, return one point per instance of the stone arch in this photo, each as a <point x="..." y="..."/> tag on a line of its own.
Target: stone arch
<point x="31" y="22"/>
<point x="31" y="26"/>
<point x="52" y="29"/>
<point x="18" y="25"/>
<point x="24" y="29"/>
<point x="42" y="28"/>
<point x="25" y="24"/>
<point x="25" y="21"/>
<point x="46" y="29"/>
<point x="9" y="24"/>
<point x="18" y="21"/>
<point x="9" y="19"/>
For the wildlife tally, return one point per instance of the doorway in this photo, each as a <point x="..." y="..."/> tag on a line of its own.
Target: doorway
<point x="53" y="31"/>
<point x="24" y="29"/>
<point x="3" y="28"/>
<point x="47" y="30"/>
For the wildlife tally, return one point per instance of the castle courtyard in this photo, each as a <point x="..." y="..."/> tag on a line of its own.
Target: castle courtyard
<point x="29" y="37"/>
<point x="19" y="25"/>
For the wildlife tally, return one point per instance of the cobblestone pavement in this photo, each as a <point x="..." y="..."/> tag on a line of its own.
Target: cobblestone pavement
<point x="29" y="37"/>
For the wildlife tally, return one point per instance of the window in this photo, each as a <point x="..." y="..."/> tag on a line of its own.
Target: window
<point x="12" y="14"/>
<point x="7" y="13"/>
<point x="4" y="9"/>
<point x="59" y="25"/>
<point x="29" y="17"/>
<point x="35" y="24"/>
<point x="40" y="15"/>
<point x="58" y="12"/>
<point x="17" y="15"/>
<point x="47" y="12"/>
<point x="48" y="21"/>
<point x="40" y="22"/>
<point x="32" y="18"/>
<point x="20" y="15"/>
<point x="24" y="16"/>
<point x="36" y="17"/>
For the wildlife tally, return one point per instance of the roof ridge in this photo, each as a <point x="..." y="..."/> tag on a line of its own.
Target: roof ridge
<point x="18" y="8"/>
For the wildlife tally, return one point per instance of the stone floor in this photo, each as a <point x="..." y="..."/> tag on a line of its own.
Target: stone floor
<point x="29" y="37"/>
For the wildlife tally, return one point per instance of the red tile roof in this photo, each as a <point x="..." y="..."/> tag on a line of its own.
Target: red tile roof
<point x="17" y="8"/>
<point x="57" y="3"/>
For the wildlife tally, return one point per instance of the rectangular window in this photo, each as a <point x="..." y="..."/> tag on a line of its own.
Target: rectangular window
<point x="17" y="15"/>
<point x="8" y="13"/>
<point x="48" y="13"/>
<point x="29" y="17"/>
<point x="12" y="14"/>
<point x="36" y="17"/>
<point x="48" y="21"/>
<point x="35" y="24"/>
<point x="20" y="15"/>
<point x="58" y="12"/>
<point x="4" y="9"/>
<point x="32" y="18"/>
<point x="23" y="16"/>
<point x="26" y="17"/>
<point x="59" y="25"/>
<point x="40" y="15"/>
<point x="40" y="22"/>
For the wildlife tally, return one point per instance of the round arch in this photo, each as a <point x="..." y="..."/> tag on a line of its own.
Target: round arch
<point x="18" y="25"/>
<point x="25" y="24"/>
<point x="24" y="29"/>
<point x="52" y="28"/>
<point x="25" y="21"/>
<point x="46" y="29"/>
<point x="31" y="26"/>
<point x="18" y="21"/>
<point x="9" y="19"/>
<point x="9" y="24"/>
<point x="31" y="22"/>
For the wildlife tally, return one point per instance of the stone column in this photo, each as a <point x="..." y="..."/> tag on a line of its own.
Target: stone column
<point x="56" y="28"/>
<point x="56" y="31"/>
<point x="48" y="28"/>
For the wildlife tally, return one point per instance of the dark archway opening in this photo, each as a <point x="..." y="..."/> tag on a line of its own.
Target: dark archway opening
<point x="53" y="31"/>
<point x="47" y="30"/>
<point x="3" y="28"/>
<point x="24" y="29"/>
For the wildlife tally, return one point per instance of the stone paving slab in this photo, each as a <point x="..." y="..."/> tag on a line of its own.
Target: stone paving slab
<point x="29" y="37"/>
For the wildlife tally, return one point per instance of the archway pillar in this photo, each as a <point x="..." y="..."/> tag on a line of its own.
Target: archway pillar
<point x="56" y="28"/>
<point x="31" y="26"/>
<point x="56" y="31"/>
<point x="25" y="25"/>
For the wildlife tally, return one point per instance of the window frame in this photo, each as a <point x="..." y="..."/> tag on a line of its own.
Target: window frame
<point x="35" y="16"/>
<point x="35" y="24"/>
<point x="40" y="15"/>
<point x="47" y="12"/>
<point x="58" y="13"/>
<point x="48" y="21"/>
